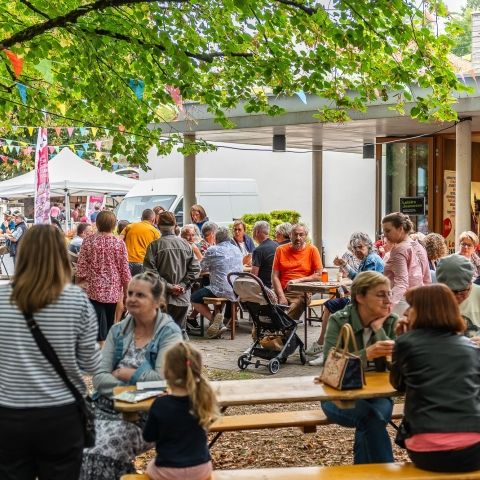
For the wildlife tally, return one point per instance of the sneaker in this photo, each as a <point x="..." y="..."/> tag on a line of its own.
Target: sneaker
<point x="216" y="333"/>
<point x="314" y="349"/>
<point x="214" y="330"/>
<point x="317" y="362"/>
<point x="193" y="323"/>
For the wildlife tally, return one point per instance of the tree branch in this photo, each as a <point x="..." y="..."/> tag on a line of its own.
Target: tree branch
<point x="294" y="4"/>
<point x="205" y="57"/>
<point x="35" y="9"/>
<point x="71" y="17"/>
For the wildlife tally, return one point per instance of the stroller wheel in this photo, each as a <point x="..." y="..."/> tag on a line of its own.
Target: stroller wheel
<point x="242" y="362"/>
<point x="274" y="365"/>
<point x="303" y="357"/>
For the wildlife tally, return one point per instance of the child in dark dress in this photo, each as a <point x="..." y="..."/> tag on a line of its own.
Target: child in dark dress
<point x="178" y="422"/>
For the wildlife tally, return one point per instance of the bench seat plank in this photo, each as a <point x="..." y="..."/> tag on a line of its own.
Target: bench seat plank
<point x="378" y="471"/>
<point x="302" y="418"/>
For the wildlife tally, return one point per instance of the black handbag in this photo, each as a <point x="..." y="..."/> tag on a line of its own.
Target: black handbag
<point x="84" y="405"/>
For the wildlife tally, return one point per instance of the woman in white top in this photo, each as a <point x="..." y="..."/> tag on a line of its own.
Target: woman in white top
<point x="41" y="428"/>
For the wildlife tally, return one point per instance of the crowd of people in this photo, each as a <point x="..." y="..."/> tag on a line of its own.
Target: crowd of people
<point x="138" y="288"/>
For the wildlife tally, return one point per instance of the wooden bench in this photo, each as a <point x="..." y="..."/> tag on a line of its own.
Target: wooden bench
<point x="307" y="420"/>
<point x="371" y="471"/>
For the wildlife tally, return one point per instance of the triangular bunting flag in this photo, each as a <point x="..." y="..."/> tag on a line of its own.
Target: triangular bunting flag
<point x="17" y="148"/>
<point x="57" y="149"/>
<point x="301" y="96"/>
<point x="58" y="131"/>
<point x="70" y="131"/>
<point x="94" y="131"/>
<point x="23" y="144"/>
<point x="80" y="153"/>
<point x="62" y="107"/>
<point x="107" y="132"/>
<point x="83" y="131"/>
<point x="30" y="130"/>
<point x="4" y="158"/>
<point x="4" y="148"/>
<point x="9" y="142"/>
<point x="51" y="148"/>
<point x="72" y="147"/>
<point x="98" y="144"/>
<point x="44" y="66"/>
<point x="10" y="148"/>
<point x="14" y="128"/>
<point x="22" y="91"/>
<point x="137" y="86"/>
<point x="98" y="155"/>
<point x="17" y="62"/>
<point x="85" y="146"/>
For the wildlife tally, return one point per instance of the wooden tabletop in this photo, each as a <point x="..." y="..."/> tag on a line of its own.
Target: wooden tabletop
<point x="279" y="390"/>
<point x="318" y="287"/>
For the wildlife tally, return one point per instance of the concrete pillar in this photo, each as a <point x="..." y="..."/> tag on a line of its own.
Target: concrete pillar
<point x="399" y="177"/>
<point x="189" y="194"/>
<point x="463" y="167"/>
<point x="317" y="179"/>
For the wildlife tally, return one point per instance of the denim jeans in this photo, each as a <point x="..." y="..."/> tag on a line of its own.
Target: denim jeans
<point x="370" y="418"/>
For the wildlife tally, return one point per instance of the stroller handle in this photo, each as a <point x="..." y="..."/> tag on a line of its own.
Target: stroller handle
<point x="252" y="276"/>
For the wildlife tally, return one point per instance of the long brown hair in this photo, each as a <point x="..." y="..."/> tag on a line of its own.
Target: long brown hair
<point x="435" y="307"/>
<point x="183" y="368"/>
<point x="42" y="269"/>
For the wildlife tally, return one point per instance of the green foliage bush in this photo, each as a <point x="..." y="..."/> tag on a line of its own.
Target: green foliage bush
<point x="274" y="218"/>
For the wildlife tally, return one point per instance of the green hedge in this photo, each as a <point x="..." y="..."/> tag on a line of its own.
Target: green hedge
<point x="274" y="218"/>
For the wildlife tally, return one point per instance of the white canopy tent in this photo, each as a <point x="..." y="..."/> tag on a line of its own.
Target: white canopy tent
<point x="69" y="175"/>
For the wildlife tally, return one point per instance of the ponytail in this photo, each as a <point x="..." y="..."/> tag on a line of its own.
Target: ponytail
<point x="183" y="368"/>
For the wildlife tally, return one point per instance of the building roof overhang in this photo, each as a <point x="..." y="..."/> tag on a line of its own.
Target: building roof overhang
<point x="303" y="130"/>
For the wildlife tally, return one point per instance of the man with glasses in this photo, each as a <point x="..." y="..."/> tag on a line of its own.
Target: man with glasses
<point x="455" y="271"/>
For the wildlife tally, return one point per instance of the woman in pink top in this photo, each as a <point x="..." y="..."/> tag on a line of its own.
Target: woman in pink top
<point x="103" y="266"/>
<point x="407" y="264"/>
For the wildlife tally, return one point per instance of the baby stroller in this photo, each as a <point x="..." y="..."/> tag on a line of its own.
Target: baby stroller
<point x="272" y="324"/>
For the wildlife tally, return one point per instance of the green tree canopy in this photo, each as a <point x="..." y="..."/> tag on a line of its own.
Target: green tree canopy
<point x="120" y="63"/>
<point x="463" y="23"/>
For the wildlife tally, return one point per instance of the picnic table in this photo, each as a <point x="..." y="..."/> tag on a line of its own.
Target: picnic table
<point x="280" y="390"/>
<point x="325" y="288"/>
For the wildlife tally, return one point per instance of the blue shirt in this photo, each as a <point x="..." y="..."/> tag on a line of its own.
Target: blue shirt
<point x="220" y="260"/>
<point x="372" y="262"/>
<point x="11" y="226"/>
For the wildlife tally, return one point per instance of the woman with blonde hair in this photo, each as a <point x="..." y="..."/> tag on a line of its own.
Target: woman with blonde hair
<point x="437" y="368"/>
<point x="42" y="433"/>
<point x="134" y="352"/>
<point x="178" y="422"/>
<point x="468" y="242"/>
<point x="370" y="316"/>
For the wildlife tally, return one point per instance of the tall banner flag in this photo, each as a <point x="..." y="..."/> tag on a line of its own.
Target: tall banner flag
<point x="42" y="182"/>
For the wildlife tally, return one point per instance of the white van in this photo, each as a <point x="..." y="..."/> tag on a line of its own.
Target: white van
<point x="224" y="199"/>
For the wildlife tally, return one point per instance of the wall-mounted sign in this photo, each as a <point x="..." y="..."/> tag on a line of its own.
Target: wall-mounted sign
<point x="412" y="205"/>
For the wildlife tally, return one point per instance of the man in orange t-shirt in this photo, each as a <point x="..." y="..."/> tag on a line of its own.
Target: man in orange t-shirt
<point x="295" y="262"/>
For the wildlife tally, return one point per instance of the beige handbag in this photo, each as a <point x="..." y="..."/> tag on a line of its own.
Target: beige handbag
<point x="343" y="370"/>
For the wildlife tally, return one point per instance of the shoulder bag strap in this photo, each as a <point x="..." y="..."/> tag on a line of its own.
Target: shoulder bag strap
<point x="49" y="353"/>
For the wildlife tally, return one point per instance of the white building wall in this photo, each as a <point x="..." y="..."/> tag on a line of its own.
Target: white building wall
<point x="284" y="182"/>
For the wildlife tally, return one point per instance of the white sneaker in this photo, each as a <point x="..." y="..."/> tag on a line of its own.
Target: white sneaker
<point x="317" y="362"/>
<point x="314" y="349"/>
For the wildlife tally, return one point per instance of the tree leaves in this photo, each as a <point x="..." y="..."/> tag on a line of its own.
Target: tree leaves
<point x="80" y="56"/>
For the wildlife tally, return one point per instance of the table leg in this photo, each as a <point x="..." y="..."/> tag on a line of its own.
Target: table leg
<point x="305" y="312"/>
<point x="233" y="321"/>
